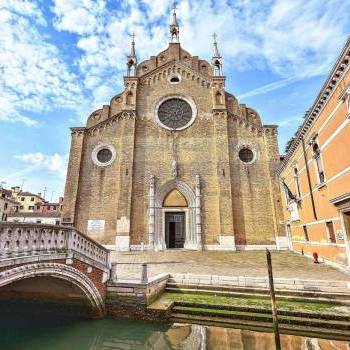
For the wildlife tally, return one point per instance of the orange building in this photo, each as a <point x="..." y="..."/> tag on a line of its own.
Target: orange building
<point x="315" y="173"/>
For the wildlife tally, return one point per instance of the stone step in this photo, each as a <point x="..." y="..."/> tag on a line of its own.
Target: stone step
<point x="254" y="316"/>
<point x="302" y="330"/>
<point x="263" y="291"/>
<point x="260" y="310"/>
<point x="334" y="299"/>
<point x="281" y="284"/>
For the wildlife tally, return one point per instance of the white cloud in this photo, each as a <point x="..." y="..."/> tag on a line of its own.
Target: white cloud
<point x="269" y="87"/>
<point x="78" y="16"/>
<point x="294" y="40"/>
<point x="34" y="78"/>
<point x="56" y="163"/>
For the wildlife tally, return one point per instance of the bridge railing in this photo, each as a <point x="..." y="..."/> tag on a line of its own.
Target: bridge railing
<point x="25" y="239"/>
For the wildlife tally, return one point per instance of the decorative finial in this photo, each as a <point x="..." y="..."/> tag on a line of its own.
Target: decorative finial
<point x="131" y="59"/>
<point x="174" y="26"/>
<point x="217" y="59"/>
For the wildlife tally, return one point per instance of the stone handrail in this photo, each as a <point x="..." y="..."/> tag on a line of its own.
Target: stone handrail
<point x="25" y="239"/>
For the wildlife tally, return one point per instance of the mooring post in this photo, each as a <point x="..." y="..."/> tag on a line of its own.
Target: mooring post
<point x="144" y="277"/>
<point x="273" y="302"/>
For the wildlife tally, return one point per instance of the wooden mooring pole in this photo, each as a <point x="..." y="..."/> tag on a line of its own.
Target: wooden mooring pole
<point x="273" y="302"/>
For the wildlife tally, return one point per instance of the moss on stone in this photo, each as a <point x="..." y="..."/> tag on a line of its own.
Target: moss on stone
<point x="302" y="306"/>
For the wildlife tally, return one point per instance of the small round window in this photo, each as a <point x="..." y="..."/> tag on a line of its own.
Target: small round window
<point x="103" y="155"/>
<point x="174" y="79"/>
<point x="246" y="155"/>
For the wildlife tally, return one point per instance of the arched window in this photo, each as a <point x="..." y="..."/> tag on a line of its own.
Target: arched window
<point x="319" y="166"/>
<point x="297" y="182"/>
<point x="218" y="98"/>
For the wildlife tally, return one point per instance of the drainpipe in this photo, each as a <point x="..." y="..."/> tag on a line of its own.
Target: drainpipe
<point x="309" y="179"/>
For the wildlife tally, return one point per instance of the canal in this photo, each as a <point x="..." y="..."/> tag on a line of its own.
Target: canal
<point x="43" y="327"/>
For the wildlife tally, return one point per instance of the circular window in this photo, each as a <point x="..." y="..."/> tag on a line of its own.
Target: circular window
<point x="175" y="113"/>
<point x="246" y="155"/>
<point x="103" y="155"/>
<point x="174" y="79"/>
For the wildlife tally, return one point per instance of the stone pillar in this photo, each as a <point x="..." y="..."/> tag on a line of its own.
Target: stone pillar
<point x="151" y="213"/>
<point x="144" y="274"/>
<point x="198" y="213"/>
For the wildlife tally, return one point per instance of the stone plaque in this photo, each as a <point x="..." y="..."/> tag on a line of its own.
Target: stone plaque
<point x="96" y="225"/>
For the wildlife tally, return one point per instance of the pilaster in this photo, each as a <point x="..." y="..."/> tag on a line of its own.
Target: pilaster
<point x="225" y="214"/>
<point x="198" y="213"/>
<point x="73" y="176"/>
<point x="151" y="214"/>
<point x="126" y="170"/>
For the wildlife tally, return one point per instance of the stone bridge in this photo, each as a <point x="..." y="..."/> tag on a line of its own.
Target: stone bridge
<point x="53" y="261"/>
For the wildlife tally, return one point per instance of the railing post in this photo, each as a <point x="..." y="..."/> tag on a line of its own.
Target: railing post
<point x="114" y="276"/>
<point x="144" y="277"/>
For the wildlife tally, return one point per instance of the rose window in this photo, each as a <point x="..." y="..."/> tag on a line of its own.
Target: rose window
<point x="175" y="113"/>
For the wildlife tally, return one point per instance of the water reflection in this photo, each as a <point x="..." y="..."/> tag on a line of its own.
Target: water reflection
<point x="62" y="333"/>
<point x="33" y="326"/>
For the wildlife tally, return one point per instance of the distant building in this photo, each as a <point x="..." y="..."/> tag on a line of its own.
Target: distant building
<point x="315" y="174"/>
<point x="49" y="207"/>
<point x="27" y="200"/>
<point x="7" y="204"/>
<point x="49" y="218"/>
<point x="21" y="206"/>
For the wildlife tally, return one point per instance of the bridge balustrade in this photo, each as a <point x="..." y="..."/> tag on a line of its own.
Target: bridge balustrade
<point x="27" y="239"/>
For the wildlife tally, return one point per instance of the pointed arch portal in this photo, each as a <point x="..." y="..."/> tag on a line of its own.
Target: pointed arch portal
<point x="176" y="217"/>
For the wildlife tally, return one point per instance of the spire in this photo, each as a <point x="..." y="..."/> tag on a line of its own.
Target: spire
<point x="131" y="59"/>
<point x="216" y="53"/>
<point x="216" y="60"/>
<point x="174" y="26"/>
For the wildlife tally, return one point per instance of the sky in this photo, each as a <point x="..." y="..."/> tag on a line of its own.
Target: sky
<point x="62" y="59"/>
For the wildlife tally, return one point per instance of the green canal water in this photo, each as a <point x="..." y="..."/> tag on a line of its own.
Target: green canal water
<point x="38" y="327"/>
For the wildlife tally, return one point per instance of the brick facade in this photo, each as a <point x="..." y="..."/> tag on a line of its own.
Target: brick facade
<point x="317" y="172"/>
<point x="239" y="202"/>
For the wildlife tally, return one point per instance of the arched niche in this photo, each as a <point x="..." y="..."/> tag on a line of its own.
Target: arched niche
<point x="218" y="98"/>
<point x="129" y="99"/>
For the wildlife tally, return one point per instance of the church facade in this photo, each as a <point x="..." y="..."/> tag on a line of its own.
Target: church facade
<point x="175" y="161"/>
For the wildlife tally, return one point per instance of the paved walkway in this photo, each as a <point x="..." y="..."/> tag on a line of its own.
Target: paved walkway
<point x="248" y="263"/>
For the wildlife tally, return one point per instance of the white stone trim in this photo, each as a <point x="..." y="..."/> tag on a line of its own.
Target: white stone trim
<point x="192" y="215"/>
<point x="56" y="270"/>
<point x="257" y="247"/>
<point x="188" y="99"/>
<point x="320" y="221"/>
<point x="328" y="244"/>
<point x="254" y="150"/>
<point x="331" y="115"/>
<point x="258" y="282"/>
<point x="98" y="148"/>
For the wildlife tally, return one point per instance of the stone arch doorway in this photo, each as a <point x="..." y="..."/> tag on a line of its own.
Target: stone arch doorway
<point x="175" y="219"/>
<point x="176" y="216"/>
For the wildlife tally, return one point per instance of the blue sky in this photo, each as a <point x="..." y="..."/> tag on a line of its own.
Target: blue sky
<point x="62" y="59"/>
